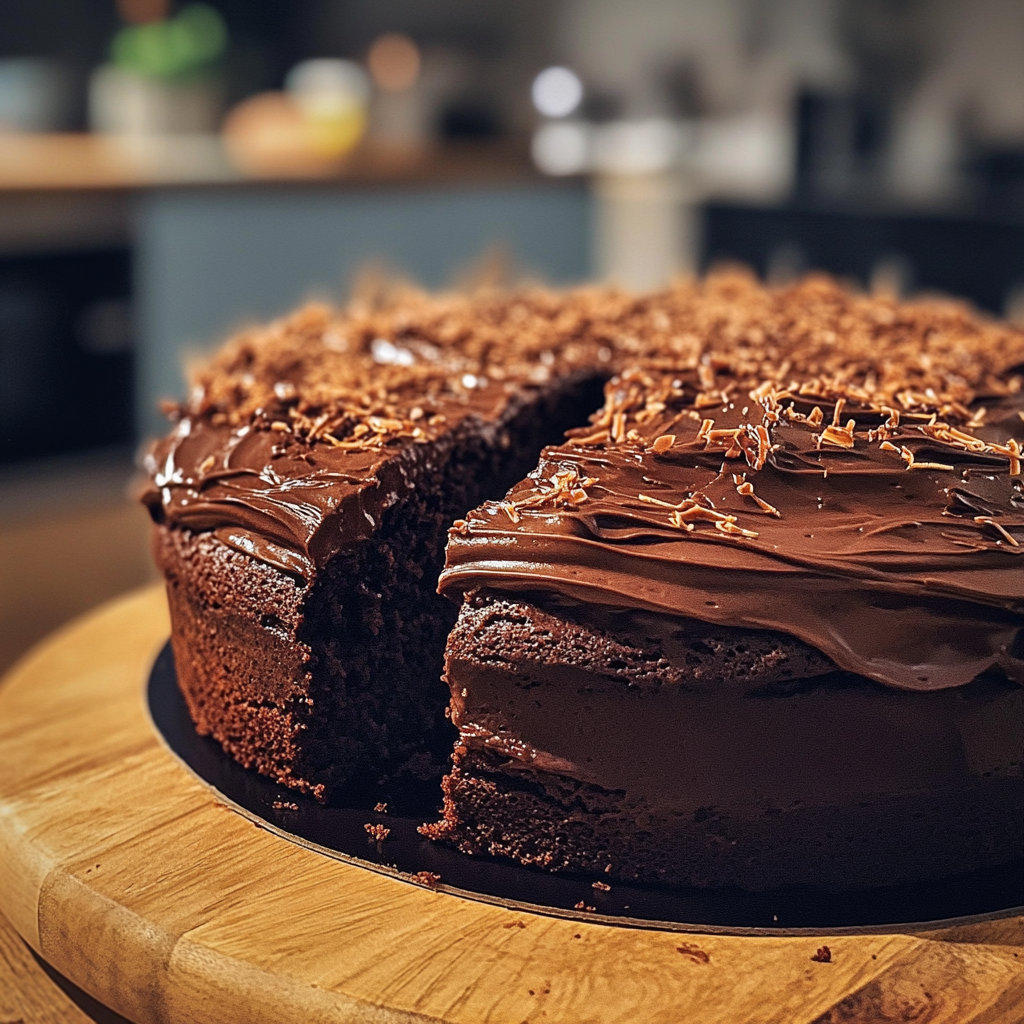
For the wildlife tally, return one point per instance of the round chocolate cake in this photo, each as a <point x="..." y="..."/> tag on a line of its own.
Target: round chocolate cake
<point x="757" y="621"/>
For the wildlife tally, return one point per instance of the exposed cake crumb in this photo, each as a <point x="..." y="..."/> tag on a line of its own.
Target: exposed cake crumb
<point x="381" y="808"/>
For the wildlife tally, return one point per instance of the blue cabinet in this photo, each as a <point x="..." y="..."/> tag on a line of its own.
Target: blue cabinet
<point x="210" y="260"/>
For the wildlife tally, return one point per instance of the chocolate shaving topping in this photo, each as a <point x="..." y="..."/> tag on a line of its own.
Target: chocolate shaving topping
<point x="856" y="424"/>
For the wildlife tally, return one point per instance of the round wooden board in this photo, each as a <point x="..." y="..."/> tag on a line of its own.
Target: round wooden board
<point x="126" y="872"/>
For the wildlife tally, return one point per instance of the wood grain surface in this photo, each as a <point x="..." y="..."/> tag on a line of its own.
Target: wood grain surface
<point x="126" y="873"/>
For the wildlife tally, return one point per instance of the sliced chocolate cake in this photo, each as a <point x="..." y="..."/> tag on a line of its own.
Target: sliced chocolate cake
<point x="762" y="623"/>
<point x="758" y="623"/>
<point x="301" y="505"/>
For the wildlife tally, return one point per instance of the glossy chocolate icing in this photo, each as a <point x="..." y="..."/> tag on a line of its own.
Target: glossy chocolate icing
<point x="296" y="441"/>
<point x="847" y="536"/>
<point x="285" y="502"/>
<point x="891" y="541"/>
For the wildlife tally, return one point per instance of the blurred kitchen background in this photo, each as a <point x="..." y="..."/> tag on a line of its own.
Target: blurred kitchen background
<point x="171" y="171"/>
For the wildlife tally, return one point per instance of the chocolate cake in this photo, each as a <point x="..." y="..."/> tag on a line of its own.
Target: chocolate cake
<point x="726" y="638"/>
<point x="301" y="505"/>
<point x="758" y="623"/>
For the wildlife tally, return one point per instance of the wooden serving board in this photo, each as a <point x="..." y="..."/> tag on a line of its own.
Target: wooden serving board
<point x="128" y="875"/>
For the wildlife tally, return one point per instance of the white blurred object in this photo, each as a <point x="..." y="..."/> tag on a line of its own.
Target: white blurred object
<point x="326" y="84"/>
<point x="647" y="146"/>
<point x="750" y="156"/>
<point x="563" y="147"/>
<point x="33" y="95"/>
<point x="925" y="151"/>
<point x="557" y="92"/>
<point x="127" y="103"/>
<point x="647" y="228"/>
<point x="332" y="96"/>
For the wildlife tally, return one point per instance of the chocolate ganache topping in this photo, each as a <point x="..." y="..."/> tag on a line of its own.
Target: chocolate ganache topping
<point x="841" y="468"/>
<point x="892" y="542"/>
<point x="875" y="509"/>
<point x="297" y="437"/>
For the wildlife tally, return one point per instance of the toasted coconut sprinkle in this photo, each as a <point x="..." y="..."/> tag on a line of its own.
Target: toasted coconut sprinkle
<point x="1012" y="450"/>
<point x="566" y="487"/>
<point x="989" y="521"/>
<point x="647" y="499"/>
<point x="957" y="438"/>
<point x="841" y="437"/>
<point x="598" y="437"/>
<point x="710" y="399"/>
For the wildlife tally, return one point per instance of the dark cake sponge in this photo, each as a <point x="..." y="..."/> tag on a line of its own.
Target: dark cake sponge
<point x="543" y="701"/>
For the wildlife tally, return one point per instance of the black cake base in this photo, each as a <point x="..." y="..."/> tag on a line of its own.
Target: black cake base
<point x="340" y="832"/>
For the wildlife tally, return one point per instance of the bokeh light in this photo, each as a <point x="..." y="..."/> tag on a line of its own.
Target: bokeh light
<point x="394" y="62"/>
<point x="557" y="92"/>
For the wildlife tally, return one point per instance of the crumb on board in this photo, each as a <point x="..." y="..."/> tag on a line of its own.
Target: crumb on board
<point x="427" y="878"/>
<point x="695" y="953"/>
<point x="823" y="956"/>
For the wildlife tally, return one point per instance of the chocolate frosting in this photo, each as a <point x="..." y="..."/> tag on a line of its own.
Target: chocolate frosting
<point x="287" y="503"/>
<point x="892" y="543"/>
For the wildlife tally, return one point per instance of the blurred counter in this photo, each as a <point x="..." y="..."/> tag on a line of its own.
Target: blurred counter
<point x="33" y="162"/>
<point x="207" y="248"/>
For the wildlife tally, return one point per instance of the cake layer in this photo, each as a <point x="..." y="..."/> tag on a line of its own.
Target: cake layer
<point x="652" y="747"/>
